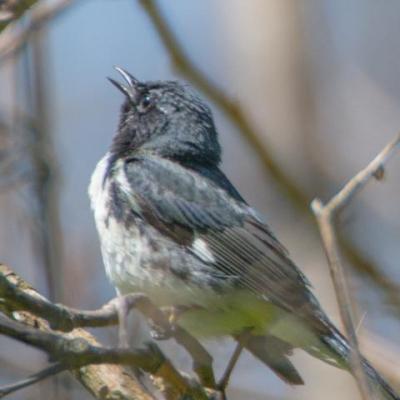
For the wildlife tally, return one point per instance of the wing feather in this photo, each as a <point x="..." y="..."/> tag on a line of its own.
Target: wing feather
<point x="242" y="246"/>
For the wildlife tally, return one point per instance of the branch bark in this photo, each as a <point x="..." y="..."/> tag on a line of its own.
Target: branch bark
<point x="78" y="351"/>
<point x="326" y="215"/>
<point x="66" y="319"/>
<point x="113" y="380"/>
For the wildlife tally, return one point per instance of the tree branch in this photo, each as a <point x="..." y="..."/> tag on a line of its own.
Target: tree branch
<point x="113" y="380"/>
<point x="78" y="352"/>
<point x="375" y="169"/>
<point x="75" y="349"/>
<point x="66" y="319"/>
<point x="325" y="215"/>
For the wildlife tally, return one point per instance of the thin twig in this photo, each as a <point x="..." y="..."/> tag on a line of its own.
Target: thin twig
<point x="39" y="376"/>
<point x="342" y="293"/>
<point x="12" y="42"/>
<point x="223" y="382"/>
<point x="241" y="340"/>
<point x="182" y="64"/>
<point x="375" y="169"/>
<point x="325" y="215"/>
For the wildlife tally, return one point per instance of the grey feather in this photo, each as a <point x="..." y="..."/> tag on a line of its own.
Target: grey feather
<point x="243" y="246"/>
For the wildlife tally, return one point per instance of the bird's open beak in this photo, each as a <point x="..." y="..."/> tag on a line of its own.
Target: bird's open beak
<point x="131" y="90"/>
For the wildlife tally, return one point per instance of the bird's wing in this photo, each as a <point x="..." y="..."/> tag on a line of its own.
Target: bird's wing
<point x="187" y="206"/>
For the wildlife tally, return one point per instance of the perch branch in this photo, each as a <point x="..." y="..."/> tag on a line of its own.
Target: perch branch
<point x="78" y="348"/>
<point x="325" y="215"/>
<point x="112" y="380"/>
<point x="78" y="352"/>
<point x="17" y="301"/>
<point x="66" y="319"/>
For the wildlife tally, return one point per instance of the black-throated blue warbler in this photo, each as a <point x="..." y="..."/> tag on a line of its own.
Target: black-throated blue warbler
<point x="172" y="226"/>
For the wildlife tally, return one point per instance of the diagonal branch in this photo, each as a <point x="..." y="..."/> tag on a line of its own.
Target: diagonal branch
<point x="325" y="215"/>
<point x="375" y="169"/>
<point x="182" y="64"/>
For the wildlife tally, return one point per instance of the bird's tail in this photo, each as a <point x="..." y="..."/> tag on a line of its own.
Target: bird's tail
<point x="336" y="351"/>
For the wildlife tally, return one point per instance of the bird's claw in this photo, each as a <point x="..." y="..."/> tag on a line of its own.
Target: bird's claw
<point x="121" y="306"/>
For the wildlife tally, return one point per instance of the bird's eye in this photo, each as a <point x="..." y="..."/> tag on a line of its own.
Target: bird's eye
<point x="146" y="103"/>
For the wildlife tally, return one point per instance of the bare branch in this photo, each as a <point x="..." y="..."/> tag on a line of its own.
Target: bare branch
<point x="375" y="169"/>
<point x="325" y="215"/>
<point x="182" y="64"/>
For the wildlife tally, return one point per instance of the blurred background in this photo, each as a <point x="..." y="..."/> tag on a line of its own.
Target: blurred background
<point x="304" y="95"/>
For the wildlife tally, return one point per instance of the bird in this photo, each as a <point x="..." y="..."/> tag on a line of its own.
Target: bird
<point x="173" y="227"/>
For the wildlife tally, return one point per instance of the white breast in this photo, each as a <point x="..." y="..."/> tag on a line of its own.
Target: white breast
<point x="122" y="248"/>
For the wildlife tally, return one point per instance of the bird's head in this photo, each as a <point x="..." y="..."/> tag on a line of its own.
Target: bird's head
<point x="166" y="119"/>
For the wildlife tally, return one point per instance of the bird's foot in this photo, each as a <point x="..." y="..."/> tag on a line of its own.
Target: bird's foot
<point x="172" y="314"/>
<point x="121" y="305"/>
<point x="158" y="332"/>
<point x="164" y="331"/>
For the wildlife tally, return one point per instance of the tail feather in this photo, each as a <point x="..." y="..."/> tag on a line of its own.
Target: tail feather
<point x="339" y="353"/>
<point x="273" y="352"/>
